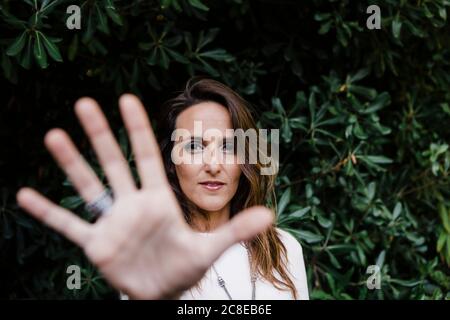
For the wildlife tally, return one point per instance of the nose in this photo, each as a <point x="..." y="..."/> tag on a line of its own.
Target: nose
<point x="212" y="160"/>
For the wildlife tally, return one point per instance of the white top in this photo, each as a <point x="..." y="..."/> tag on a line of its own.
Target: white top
<point x="233" y="266"/>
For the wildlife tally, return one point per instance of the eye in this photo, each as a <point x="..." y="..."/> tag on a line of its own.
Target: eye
<point x="193" y="146"/>
<point x="228" y="147"/>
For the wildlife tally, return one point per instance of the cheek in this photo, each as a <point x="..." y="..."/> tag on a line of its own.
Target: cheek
<point x="186" y="175"/>
<point x="234" y="172"/>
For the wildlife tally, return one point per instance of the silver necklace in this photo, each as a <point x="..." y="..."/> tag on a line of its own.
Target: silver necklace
<point x="222" y="284"/>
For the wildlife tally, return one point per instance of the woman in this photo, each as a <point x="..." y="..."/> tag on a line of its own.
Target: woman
<point x="197" y="227"/>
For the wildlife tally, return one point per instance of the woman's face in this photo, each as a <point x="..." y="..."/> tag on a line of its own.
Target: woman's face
<point x="206" y="175"/>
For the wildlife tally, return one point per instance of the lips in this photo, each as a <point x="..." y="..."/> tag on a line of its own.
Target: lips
<point x="212" y="185"/>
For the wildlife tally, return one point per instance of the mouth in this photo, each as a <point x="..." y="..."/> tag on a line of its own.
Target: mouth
<point x="212" y="185"/>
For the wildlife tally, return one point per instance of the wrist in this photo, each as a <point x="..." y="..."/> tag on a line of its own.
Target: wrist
<point x="172" y="296"/>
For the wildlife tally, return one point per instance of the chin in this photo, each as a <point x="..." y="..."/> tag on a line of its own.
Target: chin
<point x="211" y="206"/>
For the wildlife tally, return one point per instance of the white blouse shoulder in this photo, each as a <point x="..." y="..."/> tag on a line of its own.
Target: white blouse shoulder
<point x="233" y="267"/>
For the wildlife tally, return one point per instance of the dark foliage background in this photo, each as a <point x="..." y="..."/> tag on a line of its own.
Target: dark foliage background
<point x="363" y="115"/>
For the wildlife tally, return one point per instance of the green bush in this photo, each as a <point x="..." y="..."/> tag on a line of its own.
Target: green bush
<point x="363" y="116"/>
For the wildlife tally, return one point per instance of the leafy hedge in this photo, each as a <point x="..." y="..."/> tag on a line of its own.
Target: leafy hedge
<point x="363" y="115"/>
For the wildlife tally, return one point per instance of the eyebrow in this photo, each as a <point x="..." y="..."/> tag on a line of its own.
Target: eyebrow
<point x="200" y="139"/>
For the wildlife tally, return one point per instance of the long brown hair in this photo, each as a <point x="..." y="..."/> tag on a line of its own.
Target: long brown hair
<point x="267" y="250"/>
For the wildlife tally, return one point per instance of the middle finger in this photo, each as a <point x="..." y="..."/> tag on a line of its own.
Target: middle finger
<point x="105" y="145"/>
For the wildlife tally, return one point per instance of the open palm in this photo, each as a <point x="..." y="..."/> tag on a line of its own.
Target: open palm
<point x="142" y="246"/>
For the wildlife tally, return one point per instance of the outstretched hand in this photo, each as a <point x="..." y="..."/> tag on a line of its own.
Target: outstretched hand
<point x="142" y="246"/>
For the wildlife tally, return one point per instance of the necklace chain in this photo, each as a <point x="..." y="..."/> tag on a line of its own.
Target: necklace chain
<point x="222" y="284"/>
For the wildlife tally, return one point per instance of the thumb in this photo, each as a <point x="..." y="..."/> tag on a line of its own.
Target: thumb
<point x="243" y="226"/>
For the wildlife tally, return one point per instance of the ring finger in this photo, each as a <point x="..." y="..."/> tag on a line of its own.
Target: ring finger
<point x="71" y="161"/>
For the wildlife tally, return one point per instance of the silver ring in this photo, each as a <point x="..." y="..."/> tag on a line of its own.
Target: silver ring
<point x="101" y="204"/>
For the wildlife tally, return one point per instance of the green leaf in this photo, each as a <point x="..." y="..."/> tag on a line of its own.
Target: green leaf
<point x="306" y="235"/>
<point x="209" y="68"/>
<point x="361" y="74"/>
<point x="441" y="241"/>
<point x="300" y="212"/>
<point x="276" y="102"/>
<point x="112" y="13"/>
<point x="427" y="12"/>
<point x="321" y="295"/>
<point x="11" y="20"/>
<point x="178" y="57"/>
<point x="324" y="222"/>
<point x="333" y="260"/>
<point x="382" y="129"/>
<point x="406" y="283"/>
<point x="396" y="27"/>
<point x="362" y="91"/>
<point x="361" y="255"/>
<point x="324" y="28"/>
<point x="39" y="51"/>
<point x="25" y="60"/>
<point x="71" y="202"/>
<point x="359" y="132"/>
<point x="443" y="13"/>
<point x="341" y="36"/>
<point x="48" y="6"/>
<point x="164" y="62"/>
<point x="342" y="248"/>
<point x="380" y="259"/>
<point x="102" y="21"/>
<point x="16" y="47"/>
<point x="286" y="131"/>
<point x="382" y="100"/>
<point x="168" y="3"/>
<point x="448" y="251"/>
<point x="309" y="191"/>
<point x="397" y="211"/>
<point x="414" y="30"/>
<point x="217" y="54"/>
<point x="376" y="159"/>
<point x="271" y="115"/>
<point x="371" y="190"/>
<point x="198" y="4"/>
<point x="173" y="41"/>
<point x="298" y="123"/>
<point x="153" y="57"/>
<point x="52" y="49"/>
<point x="445" y="216"/>
<point x="322" y="16"/>
<point x="203" y="39"/>
<point x="284" y="201"/>
<point x="310" y="237"/>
